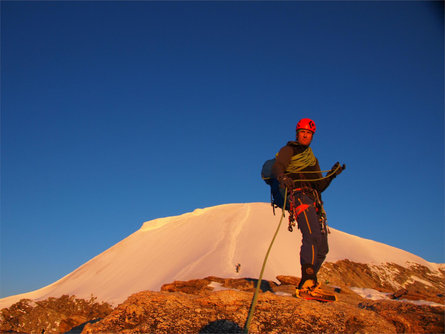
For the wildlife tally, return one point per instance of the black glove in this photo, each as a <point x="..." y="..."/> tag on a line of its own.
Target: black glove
<point x="337" y="169"/>
<point x="285" y="182"/>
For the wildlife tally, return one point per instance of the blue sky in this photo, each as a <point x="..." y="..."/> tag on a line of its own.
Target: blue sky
<point x="115" y="113"/>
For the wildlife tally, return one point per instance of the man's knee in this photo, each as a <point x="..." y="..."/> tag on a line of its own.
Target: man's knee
<point x="323" y="250"/>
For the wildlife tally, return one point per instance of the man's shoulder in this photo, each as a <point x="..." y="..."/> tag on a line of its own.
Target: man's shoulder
<point x="296" y="147"/>
<point x="289" y="148"/>
<point x="292" y="148"/>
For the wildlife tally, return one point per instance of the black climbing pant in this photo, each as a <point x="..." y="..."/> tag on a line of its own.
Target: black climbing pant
<point x="314" y="246"/>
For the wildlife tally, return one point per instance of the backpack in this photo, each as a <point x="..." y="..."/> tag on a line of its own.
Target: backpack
<point x="276" y="192"/>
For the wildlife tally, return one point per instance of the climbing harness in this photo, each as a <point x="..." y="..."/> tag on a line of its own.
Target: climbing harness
<point x="294" y="211"/>
<point x="267" y="170"/>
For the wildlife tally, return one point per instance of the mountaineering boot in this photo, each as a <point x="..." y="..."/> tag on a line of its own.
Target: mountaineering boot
<point x="311" y="289"/>
<point x="309" y="285"/>
<point x="307" y="274"/>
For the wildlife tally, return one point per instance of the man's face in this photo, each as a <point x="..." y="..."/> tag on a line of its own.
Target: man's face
<point x="304" y="137"/>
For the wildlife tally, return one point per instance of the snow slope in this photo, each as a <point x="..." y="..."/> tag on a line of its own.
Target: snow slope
<point x="202" y="243"/>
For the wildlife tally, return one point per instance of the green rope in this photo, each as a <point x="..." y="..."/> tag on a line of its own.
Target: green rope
<point x="255" y="296"/>
<point x="301" y="161"/>
<point x="309" y="180"/>
<point x="311" y="171"/>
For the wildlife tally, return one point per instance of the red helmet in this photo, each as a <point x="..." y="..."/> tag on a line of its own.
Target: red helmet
<point x="307" y="124"/>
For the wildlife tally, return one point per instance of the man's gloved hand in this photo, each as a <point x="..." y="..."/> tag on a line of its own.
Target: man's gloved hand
<point x="285" y="181"/>
<point x="337" y="169"/>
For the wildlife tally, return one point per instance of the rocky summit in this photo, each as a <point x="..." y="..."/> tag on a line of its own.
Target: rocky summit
<point x="413" y="303"/>
<point x="216" y="305"/>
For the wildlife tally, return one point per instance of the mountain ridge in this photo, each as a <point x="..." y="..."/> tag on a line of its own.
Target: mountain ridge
<point x="205" y="242"/>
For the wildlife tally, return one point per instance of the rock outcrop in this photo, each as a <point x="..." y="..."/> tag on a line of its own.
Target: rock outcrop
<point x="419" y="282"/>
<point x="53" y="315"/>
<point x="226" y="312"/>
<point x="221" y="305"/>
<point x="216" y="305"/>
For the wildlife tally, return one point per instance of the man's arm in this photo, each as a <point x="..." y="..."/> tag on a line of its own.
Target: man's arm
<point x="279" y="167"/>
<point x="282" y="161"/>
<point x="335" y="170"/>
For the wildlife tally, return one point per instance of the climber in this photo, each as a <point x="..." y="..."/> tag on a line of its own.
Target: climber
<point x="297" y="169"/>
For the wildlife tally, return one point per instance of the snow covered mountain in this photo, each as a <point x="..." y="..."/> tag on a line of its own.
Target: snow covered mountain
<point x="208" y="242"/>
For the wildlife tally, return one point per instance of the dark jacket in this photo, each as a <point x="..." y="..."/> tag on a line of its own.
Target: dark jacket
<point x="282" y="162"/>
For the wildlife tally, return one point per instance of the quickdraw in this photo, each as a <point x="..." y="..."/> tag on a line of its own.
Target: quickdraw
<point x="292" y="217"/>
